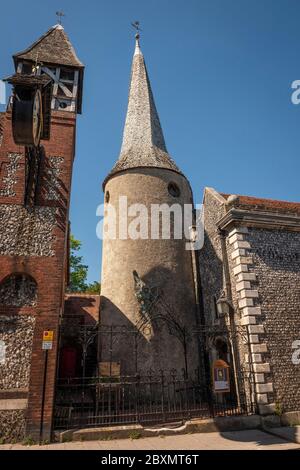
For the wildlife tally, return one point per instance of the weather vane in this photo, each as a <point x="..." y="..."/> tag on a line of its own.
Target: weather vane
<point x="60" y="15"/>
<point x="136" y="25"/>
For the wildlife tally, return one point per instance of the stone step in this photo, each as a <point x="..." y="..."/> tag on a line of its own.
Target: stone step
<point x="136" y="431"/>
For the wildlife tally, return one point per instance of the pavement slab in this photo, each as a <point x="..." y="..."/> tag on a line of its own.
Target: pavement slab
<point x="235" y="440"/>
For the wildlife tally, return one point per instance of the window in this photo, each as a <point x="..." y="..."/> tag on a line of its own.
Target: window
<point x="63" y="104"/>
<point x="107" y="197"/>
<point x="27" y="68"/>
<point x="174" y="189"/>
<point x="67" y="74"/>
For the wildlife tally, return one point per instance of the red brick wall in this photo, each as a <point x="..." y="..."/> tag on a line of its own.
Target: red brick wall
<point x="85" y="305"/>
<point x="48" y="271"/>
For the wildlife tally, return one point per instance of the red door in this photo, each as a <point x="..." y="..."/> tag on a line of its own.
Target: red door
<point x="68" y="362"/>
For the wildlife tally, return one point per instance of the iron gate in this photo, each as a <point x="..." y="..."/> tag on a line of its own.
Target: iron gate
<point x="152" y="397"/>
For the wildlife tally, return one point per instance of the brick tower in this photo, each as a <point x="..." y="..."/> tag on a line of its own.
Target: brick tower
<point x="34" y="240"/>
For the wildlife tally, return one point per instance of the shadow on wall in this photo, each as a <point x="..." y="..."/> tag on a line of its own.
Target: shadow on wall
<point x="119" y="340"/>
<point x="211" y="276"/>
<point x="158" y="337"/>
<point x="51" y="189"/>
<point x="85" y="306"/>
<point x="79" y="325"/>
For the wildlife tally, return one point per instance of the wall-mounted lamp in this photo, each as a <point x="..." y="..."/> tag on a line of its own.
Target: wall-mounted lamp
<point x="224" y="306"/>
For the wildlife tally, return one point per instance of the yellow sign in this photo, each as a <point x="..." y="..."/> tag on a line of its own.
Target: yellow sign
<point x="48" y="335"/>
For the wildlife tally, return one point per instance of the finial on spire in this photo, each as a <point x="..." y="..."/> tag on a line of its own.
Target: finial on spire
<point x="136" y="25"/>
<point x="60" y="15"/>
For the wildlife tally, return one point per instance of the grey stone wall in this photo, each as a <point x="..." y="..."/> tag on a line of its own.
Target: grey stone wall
<point x="276" y="262"/>
<point x="264" y="269"/>
<point x="26" y="231"/>
<point x="12" y="425"/>
<point x="213" y="283"/>
<point x="16" y="334"/>
<point x="210" y="256"/>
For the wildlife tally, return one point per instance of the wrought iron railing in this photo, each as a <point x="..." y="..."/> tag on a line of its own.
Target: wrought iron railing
<point x="149" y="399"/>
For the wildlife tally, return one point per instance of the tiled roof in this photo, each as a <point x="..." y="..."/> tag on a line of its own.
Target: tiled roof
<point x="54" y="47"/>
<point x="143" y="140"/>
<point x="255" y="203"/>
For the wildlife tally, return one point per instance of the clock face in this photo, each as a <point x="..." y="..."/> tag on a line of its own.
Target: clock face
<point x="37" y="120"/>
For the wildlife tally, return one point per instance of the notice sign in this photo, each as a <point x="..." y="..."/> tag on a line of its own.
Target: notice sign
<point x="221" y="376"/>
<point x="47" y="340"/>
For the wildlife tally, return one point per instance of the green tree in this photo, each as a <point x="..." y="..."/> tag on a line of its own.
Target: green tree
<point x="79" y="271"/>
<point x="93" y="288"/>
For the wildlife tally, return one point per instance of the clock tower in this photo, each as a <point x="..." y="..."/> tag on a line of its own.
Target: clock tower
<point x="37" y="149"/>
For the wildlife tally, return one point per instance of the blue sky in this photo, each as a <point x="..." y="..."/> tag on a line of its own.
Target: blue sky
<point x="221" y="73"/>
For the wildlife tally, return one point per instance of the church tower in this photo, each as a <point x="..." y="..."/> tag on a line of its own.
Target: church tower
<point x="35" y="185"/>
<point x="147" y="292"/>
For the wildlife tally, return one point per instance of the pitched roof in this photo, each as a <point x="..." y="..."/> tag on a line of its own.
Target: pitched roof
<point x="143" y="140"/>
<point x="255" y="203"/>
<point x="54" y="47"/>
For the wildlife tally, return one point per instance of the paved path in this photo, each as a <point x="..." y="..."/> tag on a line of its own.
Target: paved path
<point x="238" y="440"/>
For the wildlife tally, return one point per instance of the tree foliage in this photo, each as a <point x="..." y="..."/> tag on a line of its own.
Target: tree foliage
<point x="79" y="271"/>
<point x="93" y="288"/>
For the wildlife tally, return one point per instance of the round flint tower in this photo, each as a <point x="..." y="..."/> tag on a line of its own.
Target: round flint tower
<point x="148" y="306"/>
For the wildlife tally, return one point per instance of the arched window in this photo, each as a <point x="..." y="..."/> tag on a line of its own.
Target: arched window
<point x="221" y="348"/>
<point x="18" y="290"/>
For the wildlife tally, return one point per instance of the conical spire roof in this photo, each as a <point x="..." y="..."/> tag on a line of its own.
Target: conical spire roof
<point x="54" y="47"/>
<point x="143" y="140"/>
